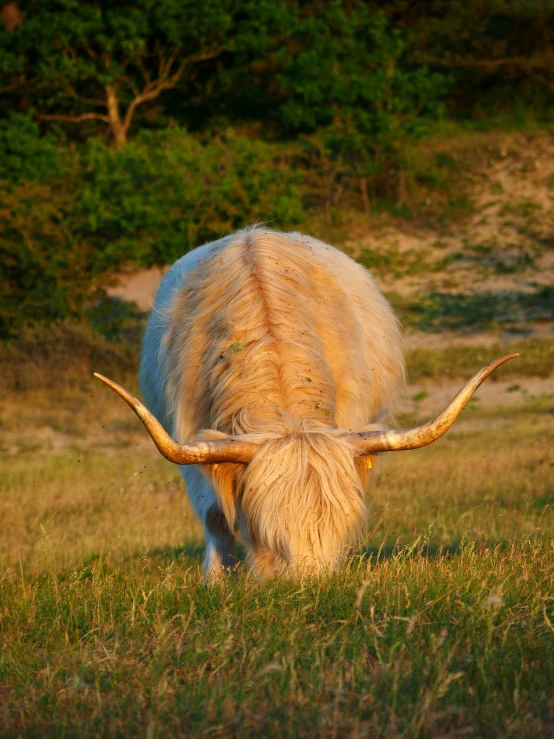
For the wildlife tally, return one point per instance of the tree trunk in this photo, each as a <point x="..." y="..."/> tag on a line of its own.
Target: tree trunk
<point x="11" y="17"/>
<point x="363" y="191"/>
<point x="118" y="130"/>
<point x="401" y="185"/>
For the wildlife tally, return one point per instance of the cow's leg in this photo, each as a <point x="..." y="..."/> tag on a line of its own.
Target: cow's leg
<point x="220" y="541"/>
<point x="220" y="544"/>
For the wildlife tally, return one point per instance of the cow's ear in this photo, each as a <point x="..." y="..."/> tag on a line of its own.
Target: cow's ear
<point x="223" y="478"/>
<point x="365" y="466"/>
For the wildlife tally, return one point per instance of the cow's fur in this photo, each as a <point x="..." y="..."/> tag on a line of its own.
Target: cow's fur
<point x="286" y="339"/>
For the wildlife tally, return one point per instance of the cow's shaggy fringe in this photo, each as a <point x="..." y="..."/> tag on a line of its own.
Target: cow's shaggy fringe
<point x="284" y="338"/>
<point x="302" y="500"/>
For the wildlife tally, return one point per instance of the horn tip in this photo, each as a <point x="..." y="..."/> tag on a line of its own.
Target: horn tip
<point x="508" y="357"/>
<point x="496" y="363"/>
<point x="109" y="383"/>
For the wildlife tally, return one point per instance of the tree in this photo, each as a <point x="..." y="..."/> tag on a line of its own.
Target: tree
<point x="101" y="61"/>
<point x="499" y="52"/>
<point x="346" y="80"/>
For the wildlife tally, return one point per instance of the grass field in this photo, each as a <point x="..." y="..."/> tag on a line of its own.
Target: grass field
<point x="442" y="624"/>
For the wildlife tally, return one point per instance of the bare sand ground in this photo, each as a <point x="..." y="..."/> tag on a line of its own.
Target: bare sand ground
<point x="139" y="287"/>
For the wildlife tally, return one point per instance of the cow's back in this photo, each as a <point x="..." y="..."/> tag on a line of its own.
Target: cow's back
<point x="263" y="329"/>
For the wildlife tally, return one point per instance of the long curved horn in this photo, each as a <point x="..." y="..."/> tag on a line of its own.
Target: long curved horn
<point x="371" y="442"/>
<point x="206" y="452"/>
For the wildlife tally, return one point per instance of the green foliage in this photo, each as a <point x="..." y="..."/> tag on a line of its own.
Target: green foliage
<point x="364" y="68"/>
<point x="25" y="155"/>
<point x="498" y="52"/>
<point x="348" y="74"/>
<point x="376" y="261"/>
<point x="46" y="271"/>
<point x="117" y="321"/>
<point x="166" y="192"/>
<point x="345" y="87"/>
<point x="349" y="86"/>
<point x="62" y="235"/>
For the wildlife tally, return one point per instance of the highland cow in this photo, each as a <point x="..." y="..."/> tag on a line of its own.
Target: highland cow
<point x="270" y="360"/>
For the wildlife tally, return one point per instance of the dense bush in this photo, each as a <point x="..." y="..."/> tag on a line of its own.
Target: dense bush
<point x="46" y="270"/>
<point x="167" y="192"/>
<point x="64" y="226"/>
<point x="26" y="155"/>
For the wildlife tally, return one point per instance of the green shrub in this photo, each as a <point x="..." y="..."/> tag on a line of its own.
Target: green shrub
<point x="26" y="155"/>
<point x="63" y="235"/>
<point x="166" y="192"/>
<point x="46" y="271"/>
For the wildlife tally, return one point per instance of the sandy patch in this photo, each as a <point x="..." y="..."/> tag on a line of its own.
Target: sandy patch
<point x="139" y="288"/>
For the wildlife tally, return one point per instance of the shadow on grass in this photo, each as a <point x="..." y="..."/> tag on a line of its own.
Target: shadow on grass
<point x="427" y="551"/>
<point x="194" y="552"/>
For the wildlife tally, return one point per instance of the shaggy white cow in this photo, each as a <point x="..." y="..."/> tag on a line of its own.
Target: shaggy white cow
<point x="269" y="357"/>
